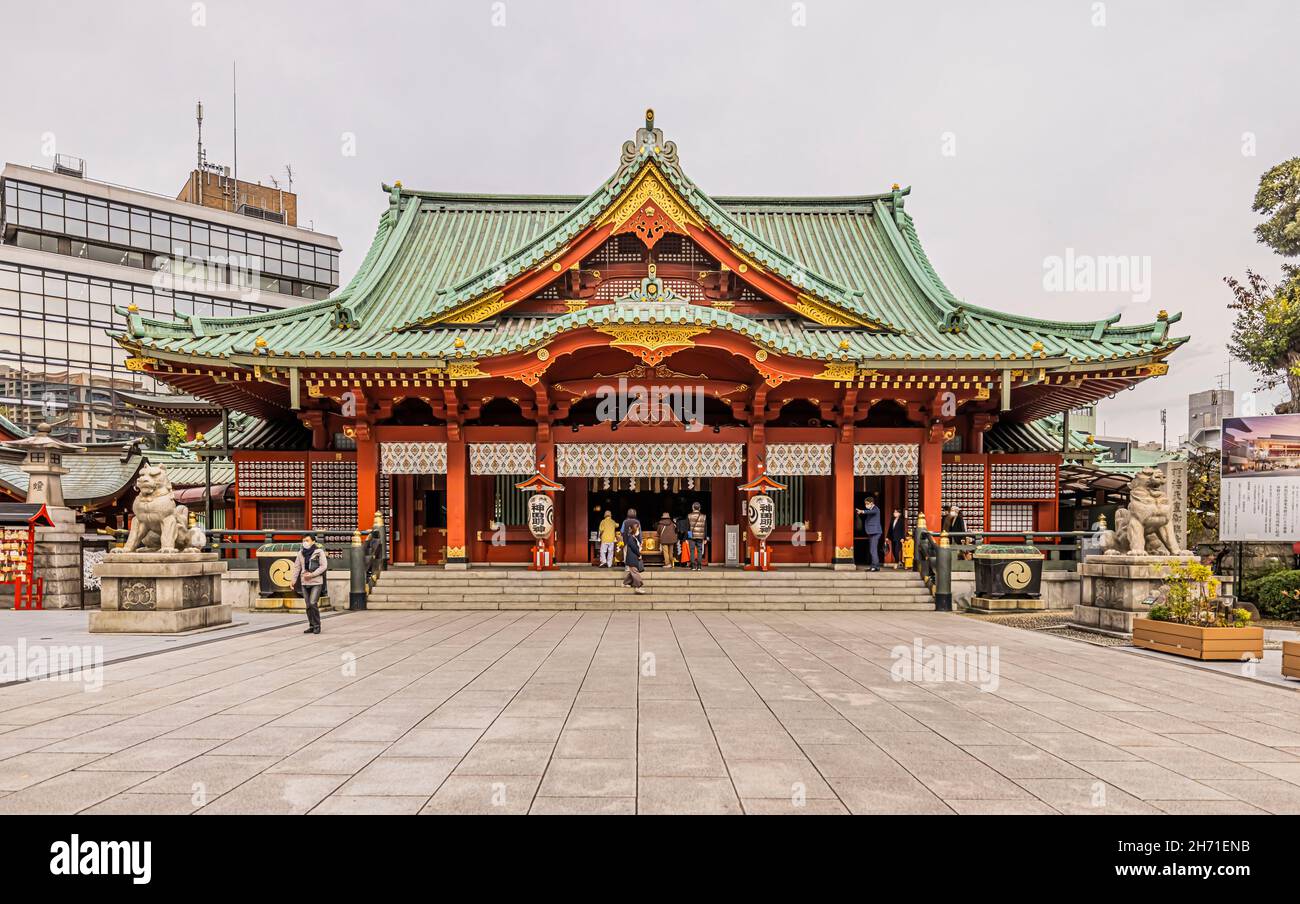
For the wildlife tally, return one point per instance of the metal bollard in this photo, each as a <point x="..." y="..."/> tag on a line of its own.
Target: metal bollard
<point x="357" y="573"/>
<point x="943" y="576"/>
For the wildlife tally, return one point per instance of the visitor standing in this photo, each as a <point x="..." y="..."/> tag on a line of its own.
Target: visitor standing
<point x="308" y="573"/>
<point x="897" y="533"/>
<point x="667" y="530"/>
<point x="632" y="558"/>
<point x="607" y="532"/>
<point x="696" y="532"/>
<point x="872" y="528"/>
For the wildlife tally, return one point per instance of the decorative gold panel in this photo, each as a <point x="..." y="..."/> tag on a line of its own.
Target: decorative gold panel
<point x="475" y="311"/>
<point x="652" y="336"/>
<point x="649" y="187"/>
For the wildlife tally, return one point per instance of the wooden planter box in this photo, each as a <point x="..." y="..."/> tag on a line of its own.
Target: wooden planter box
<point x="1198" y="643"/>
<point x="1291" y="659"/>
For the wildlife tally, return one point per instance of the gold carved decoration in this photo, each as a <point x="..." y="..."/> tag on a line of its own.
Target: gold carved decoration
<point x="464" y="370"/>
<point x="981" y="394"/>
<point x="844" y="552"/>
<point x="649" y="190"/>
<point x="839" y="372"/>
<point x="827" y="314"/>
<point x="652" y="337"/>
<point x="1157" y="369"/>
<point x="760" y="355"/>
<point x="140" y="364"/>
<point x="455" y="552"/>
<point x="475" y="311"/>
<point x="575" y="305"/>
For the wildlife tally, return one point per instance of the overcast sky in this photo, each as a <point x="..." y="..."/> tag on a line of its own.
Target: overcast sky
<point x="1028" y="130"/>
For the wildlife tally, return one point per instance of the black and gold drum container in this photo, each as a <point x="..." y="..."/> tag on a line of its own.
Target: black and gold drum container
<point x="1008" y="571"/>
<point x="274" y="564"/>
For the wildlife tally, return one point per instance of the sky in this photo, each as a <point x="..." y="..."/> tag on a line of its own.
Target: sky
<point x="1039" y="138"/>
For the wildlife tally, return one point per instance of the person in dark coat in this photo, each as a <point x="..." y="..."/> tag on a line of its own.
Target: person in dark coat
<point x="626" y="527"/>
<point x="897" y="531"/>
<point x="667" y="531"/>
<point x="953" y="522"/>
<point x="871" y="526"/>
<point x="308" y="574"/>
<point x="632" y="558"/>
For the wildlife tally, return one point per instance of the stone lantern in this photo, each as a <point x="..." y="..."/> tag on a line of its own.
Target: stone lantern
<point x="58" y="549"/>
<point x="43" y="463"/>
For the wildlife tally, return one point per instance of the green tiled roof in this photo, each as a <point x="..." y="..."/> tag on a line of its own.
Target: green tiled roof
<point x="1042" y="435"/>
<point x="1138" y="459"/>
<point x="434" y="252"/>
<point x="105" y="470"/>
<point x="11" y="429"/>
<point x="254" y="433"/>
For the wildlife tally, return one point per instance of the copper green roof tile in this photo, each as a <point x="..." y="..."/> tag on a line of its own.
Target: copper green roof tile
<point x="434" y="252"/>
<point x="1041" y="435"/>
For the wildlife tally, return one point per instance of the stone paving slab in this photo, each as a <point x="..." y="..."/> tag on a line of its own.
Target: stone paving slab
<point x="762" y="712"/>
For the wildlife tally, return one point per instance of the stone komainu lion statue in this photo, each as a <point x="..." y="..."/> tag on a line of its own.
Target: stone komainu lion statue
<point x="1146" y="526"/>
<point x="160" y="522"/>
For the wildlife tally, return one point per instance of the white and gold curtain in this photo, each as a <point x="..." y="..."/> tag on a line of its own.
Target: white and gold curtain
<point x="804" y="459"/>
<point x="503" y="458"/>
<point x="650" y="459"/>
<point x="871" y="459"/>
<point x="413" y="458"/>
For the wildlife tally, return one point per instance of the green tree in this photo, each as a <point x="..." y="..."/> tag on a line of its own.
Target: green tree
<point x="1203" y="496"/>
<point x="1266" y="331"/>
<point x="173" y="433"/>
<point x="1278" y="198"/>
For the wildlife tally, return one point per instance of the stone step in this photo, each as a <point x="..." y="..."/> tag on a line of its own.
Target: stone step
<point x="715" y="588"/>
<point x="839" y="586"/>
<point x="633" y="602"/>
<point x="650" y="584"/>
<point x="774" y="598"/>
<point x="436" y="574"/>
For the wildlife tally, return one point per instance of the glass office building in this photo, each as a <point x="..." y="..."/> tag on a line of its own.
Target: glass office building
<point x="71" y="250"/>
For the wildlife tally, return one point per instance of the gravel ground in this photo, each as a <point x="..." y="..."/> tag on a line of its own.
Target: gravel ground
<point x="1055" y="621"/>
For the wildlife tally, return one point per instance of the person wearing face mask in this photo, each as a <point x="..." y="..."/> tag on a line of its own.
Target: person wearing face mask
<point x="308" y="572"/>
<point x="872" y="528"/>
<point x="897" y="533"/>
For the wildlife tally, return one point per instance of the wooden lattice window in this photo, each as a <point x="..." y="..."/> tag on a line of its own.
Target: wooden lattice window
<point x="611" y="289"/>
<point x="273" y="516"/>
<point x="676" y="249"/>
<point x="618" y="249"/>
<point x="509" y="504"/>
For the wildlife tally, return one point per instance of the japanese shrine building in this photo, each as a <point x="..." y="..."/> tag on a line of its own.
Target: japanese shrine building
<point x="646" y="346"/>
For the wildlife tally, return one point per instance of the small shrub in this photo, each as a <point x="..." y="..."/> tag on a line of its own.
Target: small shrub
<point x="1191" y="597"/>
<point x="1277" y="595"/>
<point x="1159" y="612"/>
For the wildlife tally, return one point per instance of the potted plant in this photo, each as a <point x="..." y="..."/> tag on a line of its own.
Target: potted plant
<point x="1191" y="621"/>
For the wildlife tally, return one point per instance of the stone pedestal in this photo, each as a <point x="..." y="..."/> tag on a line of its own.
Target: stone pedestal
<point x="57" y="559"/>
<point x="1117" y="586"/>
<point x="990" y="604"/>
<point x="159" y="593"/>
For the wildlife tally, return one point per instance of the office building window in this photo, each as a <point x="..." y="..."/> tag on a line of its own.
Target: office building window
<point x="58" y="362"/>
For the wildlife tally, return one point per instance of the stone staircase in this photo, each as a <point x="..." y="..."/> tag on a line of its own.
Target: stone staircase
<point x="677" y="588"/>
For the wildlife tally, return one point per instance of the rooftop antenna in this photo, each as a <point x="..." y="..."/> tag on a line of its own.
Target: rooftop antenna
<point x="234" y="107"/>
<point x="198" y="115"/>
<point x="288" y="171"/>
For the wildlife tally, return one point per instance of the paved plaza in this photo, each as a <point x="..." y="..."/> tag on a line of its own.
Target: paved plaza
<point x="653" y="712"/>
